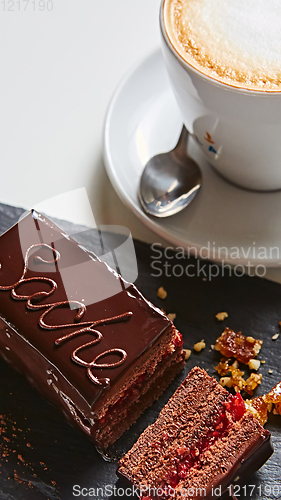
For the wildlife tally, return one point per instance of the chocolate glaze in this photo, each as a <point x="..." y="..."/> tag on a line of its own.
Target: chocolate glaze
<point x="98" y="343"/>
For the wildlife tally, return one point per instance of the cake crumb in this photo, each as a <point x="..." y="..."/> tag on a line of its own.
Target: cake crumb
<point x="275" y="337"/>
<point x="263" y="361"/>
<point x="270" y="372"/>
<point x="221" y="316"/>
<point x="187" y="354"/>
<point x="171" y="316"/>
<point x="199" y="346"/>
<point x="162" y="294"/>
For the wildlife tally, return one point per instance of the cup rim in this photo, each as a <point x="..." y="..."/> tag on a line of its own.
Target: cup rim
<point x="201" y="74"/>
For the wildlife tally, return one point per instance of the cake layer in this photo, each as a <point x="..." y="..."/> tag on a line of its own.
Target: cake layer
<point x="125" y="414"/>
<point x="202" y="437"/>
<point x="222" y="462"/>
<point x="73" y="326"/>
<point x="182" y="413"/>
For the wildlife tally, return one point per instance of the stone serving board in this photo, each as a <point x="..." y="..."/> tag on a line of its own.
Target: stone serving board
<point x="42" y="457"/>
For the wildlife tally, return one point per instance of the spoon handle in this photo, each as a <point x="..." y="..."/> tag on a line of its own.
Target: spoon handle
<point x="181" y="146"/>
<point x="183" y="138"/>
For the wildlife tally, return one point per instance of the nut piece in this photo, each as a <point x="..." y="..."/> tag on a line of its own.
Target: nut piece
<point x="199" y="346"/>
<point x="162" y="294"/>
<point x="226" y="382"/>
<point x="171" y="316"/>
<point x="254" y="364"/>
<point x="187" y="353"/>
<point x="275" y="337"/>
<point x="221" y="316"/>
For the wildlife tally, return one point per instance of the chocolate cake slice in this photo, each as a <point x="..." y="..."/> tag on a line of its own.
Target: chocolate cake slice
<point x="87" y="340"/>
<point x="202" y="442"/>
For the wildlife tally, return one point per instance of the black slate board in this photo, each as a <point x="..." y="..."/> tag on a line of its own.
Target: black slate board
<point x="36" y="440"/>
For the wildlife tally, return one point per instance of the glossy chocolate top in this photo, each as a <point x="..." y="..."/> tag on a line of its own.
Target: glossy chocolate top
<point x="78" y="313"/>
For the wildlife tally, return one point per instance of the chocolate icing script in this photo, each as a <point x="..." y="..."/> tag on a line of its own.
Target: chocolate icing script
<point x="88" y="326"/>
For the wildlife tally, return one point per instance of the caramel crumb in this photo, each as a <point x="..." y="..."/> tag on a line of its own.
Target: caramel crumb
<point x="237" y="379"/>
<point x="269" y="407"/>
<point x="171" y="316"/>
<point x="275" y="337"/>
<point x="259" y="408"/>
<point x="221" y="316"/>
<point x="199" y="346"/>
<point x="274" y="396"/>
<point x="234" y="344"/>
<point x="252" y="382"/>
<point x="187" y="354"/>
<point x="162" y="294"/>
<point x="277" y="408"/>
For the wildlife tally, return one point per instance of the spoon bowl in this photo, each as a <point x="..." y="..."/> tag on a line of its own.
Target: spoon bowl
<point x="170" y="181"/>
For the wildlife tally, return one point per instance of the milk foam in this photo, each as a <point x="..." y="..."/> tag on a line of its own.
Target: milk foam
<point x="235" y="41"/>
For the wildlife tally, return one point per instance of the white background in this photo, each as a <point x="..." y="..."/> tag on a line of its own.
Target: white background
<point x="59" y="70"/>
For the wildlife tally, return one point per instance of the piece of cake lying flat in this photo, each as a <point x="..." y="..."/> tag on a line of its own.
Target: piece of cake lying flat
<point x="87" y="340"/>
<point x="202" y="442"/>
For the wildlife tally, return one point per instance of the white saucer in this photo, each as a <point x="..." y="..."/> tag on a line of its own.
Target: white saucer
<point x="142" y="120"/>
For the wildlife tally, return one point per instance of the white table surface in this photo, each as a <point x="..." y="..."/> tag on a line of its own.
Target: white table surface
<point x="59" y="69"/>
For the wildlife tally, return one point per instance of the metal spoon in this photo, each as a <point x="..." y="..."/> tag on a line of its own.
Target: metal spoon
<point x="170" y="180"/>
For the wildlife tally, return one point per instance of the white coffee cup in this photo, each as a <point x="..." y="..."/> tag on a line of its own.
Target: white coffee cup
<point x="239" y="130"/>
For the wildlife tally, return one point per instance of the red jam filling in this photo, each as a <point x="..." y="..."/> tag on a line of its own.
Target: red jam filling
<point x="186" y="458"/>
<point x="133" y="392"/>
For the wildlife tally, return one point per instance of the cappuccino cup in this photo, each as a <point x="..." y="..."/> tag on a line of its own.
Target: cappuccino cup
<point x="224" y="63"/>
